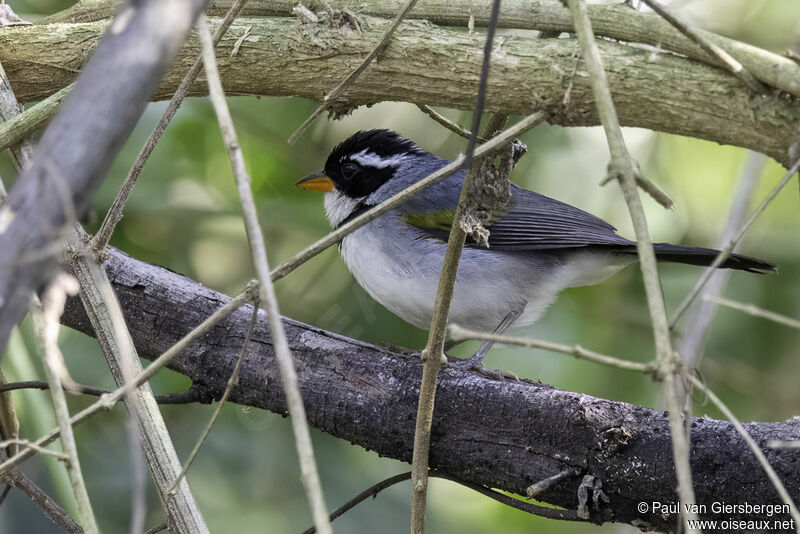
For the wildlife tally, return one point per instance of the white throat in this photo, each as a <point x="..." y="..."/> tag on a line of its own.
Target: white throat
<point x="339" y="206"/>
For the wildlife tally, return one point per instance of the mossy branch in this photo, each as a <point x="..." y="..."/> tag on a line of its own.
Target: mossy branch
<point x="282" y="57"/>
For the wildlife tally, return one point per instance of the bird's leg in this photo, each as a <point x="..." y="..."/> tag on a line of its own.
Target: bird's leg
<point x="475" y="362"/>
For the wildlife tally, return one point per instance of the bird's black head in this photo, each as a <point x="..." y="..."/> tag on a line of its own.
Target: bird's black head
<point x="362" y="163"/>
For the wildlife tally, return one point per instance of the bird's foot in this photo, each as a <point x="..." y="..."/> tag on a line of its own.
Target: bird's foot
<point x="476" y="365"/>
<point x="402" y="350"/>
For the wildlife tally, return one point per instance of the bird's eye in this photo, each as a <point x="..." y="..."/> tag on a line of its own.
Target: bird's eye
<point x="349" y="170"/>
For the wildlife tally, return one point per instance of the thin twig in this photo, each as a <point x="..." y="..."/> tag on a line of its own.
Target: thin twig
<point x="702" y="314"/>
<point x="107" y="401"/>
<point x="375" y="489"/>
<point x="691" y="341"/>
<point x="771" y="474"/>
<point x="544" y="485"/>
<point x="623" y="167"/>
<point x="294" y="401"/>
<point x="710" y="48"/>
<point x="147" y="432"/>
<point x="9" y="422"/>
<point x="50" y="508"/>
<point x="756" y="311"/>
<point x="82" y="389"/>
<point x="647" y="186"/>
<point x="35" y="446"/>
<point x="453" y="167"/>
<point x="447" y="123"/>
<point x="232" y="381"/>
<point x="47" y="326"/>
<point x="776" y="444"/>
<point x="433" y="354"/>
<point x="725" y="252"/>
<point x="457" y="333"/>
<point x="344" y="84"/>
<point x="114" y="214"/>
<point x="158" y="528"/>
<point x="106" y="316"/>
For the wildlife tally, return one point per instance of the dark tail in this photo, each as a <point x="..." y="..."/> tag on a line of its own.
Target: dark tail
<point x="705" y="256"/>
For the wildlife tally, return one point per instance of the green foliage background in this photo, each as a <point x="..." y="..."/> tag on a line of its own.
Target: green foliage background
<point x="184" y="215"/>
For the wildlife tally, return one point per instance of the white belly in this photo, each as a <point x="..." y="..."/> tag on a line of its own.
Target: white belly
<point x="403" y="275"/>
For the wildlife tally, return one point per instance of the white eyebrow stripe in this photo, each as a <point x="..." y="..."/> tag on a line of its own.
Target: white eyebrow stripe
<point x="370" y="159"/>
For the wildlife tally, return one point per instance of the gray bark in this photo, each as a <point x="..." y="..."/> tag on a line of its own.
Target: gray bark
<point x="506" y="435"/>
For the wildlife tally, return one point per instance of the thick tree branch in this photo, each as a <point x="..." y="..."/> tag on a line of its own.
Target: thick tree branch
<point x="483" y="430"/>
<point x="615" y="21"/>
<point x="660" y="91"/>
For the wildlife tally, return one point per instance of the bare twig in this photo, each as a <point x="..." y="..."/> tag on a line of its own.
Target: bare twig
<point x="344" y="84"/>
<point x="266" y="291"/>
<point x="458" y="333"/>
<point x="754" y="310"/>
<point x="623" y="167"/>
<point x="433" y="354"/>
<point x="158" y="528"/>
<point x="648" y="187"/>
<point x="187" y="397"/>
<point x="433" y="358"/>
<point x="114" y="214"/>
<point x="710" y="48"/>
<point x="7" y="443"/>
<point x="232" y="381"/>
<point x="115" y="341"/>
<point x="725" y="252"/>
<point x="38" y="384"/>
<point x="375" y="489"/>
<point x="50" y="508"/>
<point x="9" y="423"/>
<point x="47" y="325"/>
<point x="447" y="123"/>
<point x="771" y="474"/>
<point x="147" y="431"/>
<point x="691" y="341"/>
<point x="107" y="401"/>
<point x="346" y="229"/>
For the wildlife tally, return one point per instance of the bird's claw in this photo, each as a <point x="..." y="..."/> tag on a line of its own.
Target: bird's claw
<point x="402" y="350"/>
<point x="476" y="366"/>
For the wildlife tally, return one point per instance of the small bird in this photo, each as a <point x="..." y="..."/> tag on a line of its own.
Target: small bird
<point x="537" y="246"/>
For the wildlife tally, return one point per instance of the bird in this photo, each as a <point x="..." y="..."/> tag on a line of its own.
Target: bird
<point x="537" y="245"/>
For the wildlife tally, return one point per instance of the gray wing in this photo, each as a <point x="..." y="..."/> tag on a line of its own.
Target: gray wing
<point x="537" y="222"/>
<point x="531" y="221"/>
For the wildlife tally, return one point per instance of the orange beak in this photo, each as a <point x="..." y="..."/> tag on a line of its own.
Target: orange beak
<point x="316" y="182"/>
